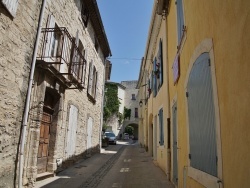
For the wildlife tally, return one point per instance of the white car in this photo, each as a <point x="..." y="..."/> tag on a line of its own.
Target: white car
<point x="126" y="136"/>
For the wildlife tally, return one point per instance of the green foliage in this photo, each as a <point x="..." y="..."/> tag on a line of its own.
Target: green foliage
<point x="121" y="117"/>
<point x="112" y="101"/>
<point x="129" y="130"/>
<point x="127" y="113"/>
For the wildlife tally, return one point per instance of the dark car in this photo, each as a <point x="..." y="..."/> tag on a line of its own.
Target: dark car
<point x="111" y="136"/>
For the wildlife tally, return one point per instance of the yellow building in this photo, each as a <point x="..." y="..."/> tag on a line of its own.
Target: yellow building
<point x="196" y="125"/>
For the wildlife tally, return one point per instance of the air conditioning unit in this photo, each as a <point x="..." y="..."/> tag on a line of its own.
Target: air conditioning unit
<point x="162" y="6"/>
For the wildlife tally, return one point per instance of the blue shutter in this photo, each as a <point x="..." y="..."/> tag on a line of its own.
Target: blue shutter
<point x="201" y="114"/>
<point x="180" y="20"/>
<point x="155" y="79"/>
<point x="161" y="127"/>
<point x="160" y="62"/>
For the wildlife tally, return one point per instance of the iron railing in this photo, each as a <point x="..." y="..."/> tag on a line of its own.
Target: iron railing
<point x="59" y="51"/>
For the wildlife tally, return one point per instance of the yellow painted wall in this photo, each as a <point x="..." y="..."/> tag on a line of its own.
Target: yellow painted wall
<point x="228" y="24"/>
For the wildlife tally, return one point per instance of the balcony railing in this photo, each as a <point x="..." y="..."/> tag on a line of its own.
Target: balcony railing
<point x="60" y="54"/>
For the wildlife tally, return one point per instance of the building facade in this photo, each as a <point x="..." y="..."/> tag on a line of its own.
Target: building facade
<point x="127" y="96"/>
<point x="198" y="111"/>
<point x="64" y="118"/>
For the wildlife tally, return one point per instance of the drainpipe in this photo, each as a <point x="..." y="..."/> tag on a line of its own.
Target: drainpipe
<point x="27" y="104"/>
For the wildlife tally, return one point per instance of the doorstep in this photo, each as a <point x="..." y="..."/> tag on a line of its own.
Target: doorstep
<point x="44" y="175"/>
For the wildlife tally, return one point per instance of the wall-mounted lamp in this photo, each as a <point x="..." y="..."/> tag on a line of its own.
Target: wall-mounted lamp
<point x="140" y="103"/>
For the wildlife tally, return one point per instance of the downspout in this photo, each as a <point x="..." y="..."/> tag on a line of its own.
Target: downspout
<point x="27" y="104"/>
<point x="102" y="104"/>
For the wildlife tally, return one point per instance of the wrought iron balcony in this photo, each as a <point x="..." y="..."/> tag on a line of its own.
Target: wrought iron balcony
<point x="60" y="55"/>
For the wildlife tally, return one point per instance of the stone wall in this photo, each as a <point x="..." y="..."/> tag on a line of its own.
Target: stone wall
<point x="17" y="36"/>
<point x="67" y="14"/>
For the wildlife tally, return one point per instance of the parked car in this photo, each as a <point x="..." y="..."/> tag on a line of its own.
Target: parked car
<point x="111" y="136"/>
<point x="126" y="136"/>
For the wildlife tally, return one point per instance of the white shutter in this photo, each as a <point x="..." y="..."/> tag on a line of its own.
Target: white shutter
<point x="90" y="78"/>
<point x="49" y="38"/>
<point x="89" y="131"/>
<point x="11" y="6"/>
<point x="72" y="128"/>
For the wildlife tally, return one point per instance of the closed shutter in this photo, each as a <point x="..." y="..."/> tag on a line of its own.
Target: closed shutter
<point x="161" y="129"/>
<point x="90" y="78"/>
<point x="11" y="6"/>
<point x="96" y="76"/>
<point x="201" y="114"/>
<point x="89" y="132"/>
<point x="160" y="64"/>
<point x="155" y="79"/>
<point x="180" y="19"/>
<point x="175" y="160"/>
<point x="72" y="128"/>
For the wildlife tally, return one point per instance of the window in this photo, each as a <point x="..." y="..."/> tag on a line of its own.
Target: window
<point x="85" y="14"/>
<point x="96" y="44"/>
<point x="160" y="65"/>
<point x="136" y="112"/>
<point x="155" y="80"/>
<point x="201" y="116"/>
<point x="11" y="6"/>
<point x="92" y="84"/>
<point x="78" y="63"/>
<point x="180" y="20"/>
<point x="133" y="97"/>
<point x="161" y="128"/>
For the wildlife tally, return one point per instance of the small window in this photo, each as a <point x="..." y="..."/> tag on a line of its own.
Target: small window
<point x="133" y="97"/>
<point x="92" y="84"/>
<point x="136" y="112"/>
<point x="85" y="14"/>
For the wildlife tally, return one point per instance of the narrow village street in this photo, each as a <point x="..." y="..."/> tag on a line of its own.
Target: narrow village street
<point x="123" y="165"/>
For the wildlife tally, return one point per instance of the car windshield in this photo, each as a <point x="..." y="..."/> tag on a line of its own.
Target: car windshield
<point x="110" y="134"/>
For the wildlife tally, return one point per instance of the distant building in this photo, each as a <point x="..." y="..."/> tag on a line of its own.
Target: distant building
<point x="127" y="95"/>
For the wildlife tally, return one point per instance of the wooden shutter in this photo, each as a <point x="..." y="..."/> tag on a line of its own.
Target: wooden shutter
<point x="90" y="81"/>
<point x="89" y="132"/>
<point x="96" y="76"/>
<point x="11" y="6"/>
<point x="155" y="78"/>
<point x="180" y="20"/>
<point x="160" y="63"/>
<point x="72" y="128"/>
<point x="201" y="115"/>
<point x="161" y="127"/>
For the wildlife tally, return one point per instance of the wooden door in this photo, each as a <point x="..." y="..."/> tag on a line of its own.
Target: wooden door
<point x="42" y="157"/>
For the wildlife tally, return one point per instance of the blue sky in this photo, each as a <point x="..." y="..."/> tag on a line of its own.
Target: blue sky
<point x="126" y="24"/>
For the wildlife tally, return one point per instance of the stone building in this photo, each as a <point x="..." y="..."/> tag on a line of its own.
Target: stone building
<point x="65" y="108"/>
<point x="127" y="95"/>
<point x="18" y="26"/>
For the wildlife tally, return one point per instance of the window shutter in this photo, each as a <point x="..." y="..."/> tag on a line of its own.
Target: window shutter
<point x="75" y="59"/>
<point x="180" y="19"/>
<point x="160" y="61"/>
<point x="11" y="6"/>
<point x="96" y="76"/>
<point x="161" y="127"/>
<point x="48" y="47"/>
<point x="155" y="79"/>
<point x="90" y="78"/>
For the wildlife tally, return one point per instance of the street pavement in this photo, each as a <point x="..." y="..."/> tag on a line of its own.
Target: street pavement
<point x="125" y="165"/>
